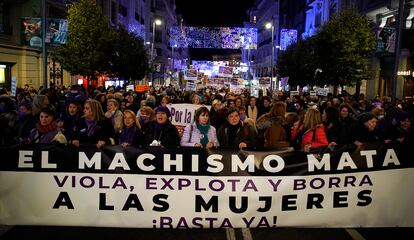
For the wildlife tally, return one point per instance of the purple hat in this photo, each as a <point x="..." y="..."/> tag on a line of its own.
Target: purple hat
<point x="164" y="110"/>
<point x="402" y="116"/>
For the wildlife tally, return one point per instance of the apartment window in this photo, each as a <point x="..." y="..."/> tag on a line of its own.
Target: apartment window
<point x="254" y="19"/>
<point x="137" y="17"/>
<point x="123" y="10"/>
<point x="158" y="35"/>
<point x="4" y="17"/>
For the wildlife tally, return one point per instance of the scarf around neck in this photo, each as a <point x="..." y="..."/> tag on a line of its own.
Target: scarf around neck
<point x="46" y="128"/>
<point x="203" y="133"/>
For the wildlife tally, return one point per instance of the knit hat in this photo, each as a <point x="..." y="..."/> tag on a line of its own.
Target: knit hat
<point x="402" y="116"/>
<point x="164" y="110"/>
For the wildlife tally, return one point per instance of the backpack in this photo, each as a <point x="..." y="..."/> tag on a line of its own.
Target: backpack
<point x="297" y="141"/>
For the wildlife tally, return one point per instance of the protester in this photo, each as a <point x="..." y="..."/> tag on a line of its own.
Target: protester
<point x="46" y="130"/>
<point x="70" y="118"/>
<point x="131" y="133"/>
<point x="93" y="127"/>
<point x="234" y="133"/>
<point x="311" y="134"/>
<point x="200" y="133"/>
<point x="26" y="121"/>
<point x="114" y="114"/>
<point x="271" y="126"/>
<point x="160" y="132"/>
<point x="330" y="119"/>
<point x="365" y="129"/>
<point x="8" y="119"/>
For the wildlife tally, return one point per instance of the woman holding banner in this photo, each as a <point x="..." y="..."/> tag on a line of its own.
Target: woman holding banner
<point x="235" y="133"/>
<point x="130" y="133"/>
<point x="161" y="132"/>
<point x="46" y="130"/>
<point x="93" y="127"/>
<point x="200" y="133"/>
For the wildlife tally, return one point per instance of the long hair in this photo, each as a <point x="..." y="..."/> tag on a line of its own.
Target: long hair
<point x="96" y="109"/>
<point x="134" y="117"/>
<point x="332" y="115"/>
<point x="199" y="112"/>
<point x="312" y="119"/>
<point x="278" y="110"/>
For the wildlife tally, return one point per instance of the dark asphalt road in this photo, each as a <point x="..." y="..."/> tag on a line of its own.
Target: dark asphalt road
<point x="90" y="233"/>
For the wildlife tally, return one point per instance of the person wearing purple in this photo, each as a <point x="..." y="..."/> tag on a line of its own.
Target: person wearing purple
<point x="46" y="130"/>
<point x="130" y="133"/>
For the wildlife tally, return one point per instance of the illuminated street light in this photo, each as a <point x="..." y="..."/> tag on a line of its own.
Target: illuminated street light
<point x="269" y="25"/>
<point x="156" y="22"/>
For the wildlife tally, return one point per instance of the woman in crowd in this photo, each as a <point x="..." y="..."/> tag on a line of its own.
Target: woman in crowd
<point x="161" y="132"/>
<point x="93" y="127"/>
<point x="200" y="133"/>
<point x="8" y="119"/>
<point x="130" y="133"/>
<point x="101" y="98"/>
<point x="145" y="114"/>
<point x="165" y="100"/>
<point x="69" y="119"/>
<point x="365" y="129"/>
<point x="403" y="132"/>
<point x="347" y="122"/>
<point x="26" y="121"/>
<point x="196" y="99"/>
<point x="46" y="130"/>
<point x="234" y="133"/>
<point x="114" y="114"/>
<point x="311" y="134"/>
<point x="271" y="126"/>
<point x="330" y="119"/>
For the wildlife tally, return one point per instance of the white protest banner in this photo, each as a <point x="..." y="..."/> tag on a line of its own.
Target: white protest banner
<point x="190" y="74"/>
<point x="322" y="91"/>
<point x="197" y="188"/>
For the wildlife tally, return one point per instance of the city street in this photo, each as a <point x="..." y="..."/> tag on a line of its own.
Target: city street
<point x="66" y="233"/>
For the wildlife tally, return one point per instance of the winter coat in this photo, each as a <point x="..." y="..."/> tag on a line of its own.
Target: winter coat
<point x="168" y="135"/>
<point x="273" y="131"/>
<point x="245" y="133"/>
<point x="104" y="132"/>
<point x="53" y="136"/>
<point x="317" y="138"/>
<point x="191" y="136"/>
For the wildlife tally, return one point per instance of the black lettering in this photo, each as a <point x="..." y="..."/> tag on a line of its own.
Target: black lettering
<point x="338" y="199"/>
<point x="63" y="200"/>
<point x="314" y="200"/>
<point x="365" y="198"/>
<point x="102" y="202"/>
<point x="159" y="200"/>
<point x="267" y="205"/>
<point x="132" y="201"/>
<point x="243" y="207"/>
<point x="212" y="203"/>
<point x="287" y="200"/>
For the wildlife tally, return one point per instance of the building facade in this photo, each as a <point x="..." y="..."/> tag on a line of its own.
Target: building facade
<point x="23" y="63"/>
<point x="19" y="62"/>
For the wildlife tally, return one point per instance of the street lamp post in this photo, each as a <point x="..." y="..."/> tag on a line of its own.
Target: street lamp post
<point x="173" y="58"/>
<point x="156" y="22"/>
<point x="272" y="27"/>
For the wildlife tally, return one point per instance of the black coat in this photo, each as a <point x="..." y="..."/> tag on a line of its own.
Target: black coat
<point x="168" y="134"/>
<point x="104" y="132"/>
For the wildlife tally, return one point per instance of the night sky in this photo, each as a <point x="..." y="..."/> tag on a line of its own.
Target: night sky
<point x="213" y="13"/>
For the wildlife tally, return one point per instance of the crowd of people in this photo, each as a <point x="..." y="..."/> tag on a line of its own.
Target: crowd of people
<point x="114" y="116"/>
